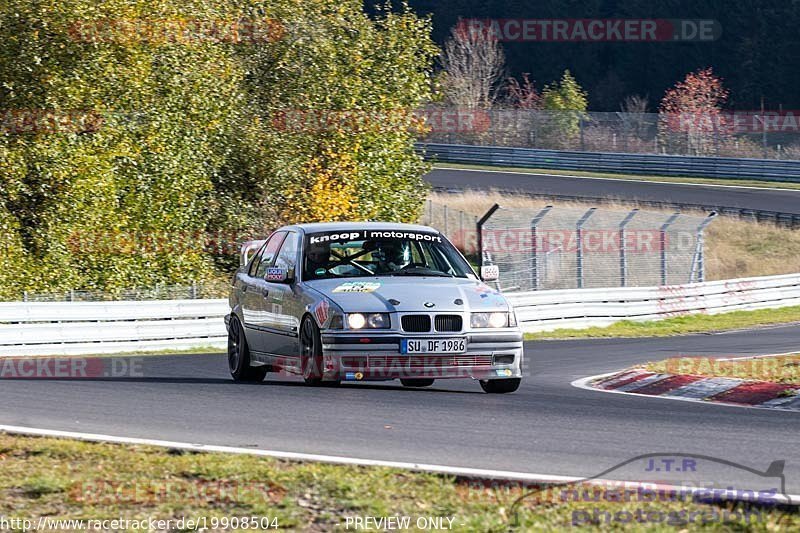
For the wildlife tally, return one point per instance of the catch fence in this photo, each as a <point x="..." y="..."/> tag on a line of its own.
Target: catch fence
<point x="754" y="134"/>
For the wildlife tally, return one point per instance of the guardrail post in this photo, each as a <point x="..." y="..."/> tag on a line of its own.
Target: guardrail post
<point x="623" y="255"/>
<point x="663" y="245"/>
<point x="579" y="249"/>
<point x="535" y="278"/>
<point x="698" y="273"/>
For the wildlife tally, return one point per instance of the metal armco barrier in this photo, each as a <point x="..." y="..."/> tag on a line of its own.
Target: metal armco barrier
<point x="583" y="308"/>
<point x="75" y="328"/>
<point x="650" y="164"/>
<point x="117" y="327"/>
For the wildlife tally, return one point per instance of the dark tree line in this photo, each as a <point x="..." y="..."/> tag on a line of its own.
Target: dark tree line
<point x="757" y="54"/>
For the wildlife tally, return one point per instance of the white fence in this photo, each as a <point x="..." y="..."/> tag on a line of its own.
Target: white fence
<point x="58" y="328"/>
<point x="583" y="308"/>
<point x="112" y="327"/>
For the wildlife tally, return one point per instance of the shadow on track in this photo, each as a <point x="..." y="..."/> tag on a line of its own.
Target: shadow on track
<point x="229" y="382"/>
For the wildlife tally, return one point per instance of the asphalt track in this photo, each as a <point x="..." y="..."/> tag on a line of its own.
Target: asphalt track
<point x="547" y="427"/>
<point x="782" y="200"/>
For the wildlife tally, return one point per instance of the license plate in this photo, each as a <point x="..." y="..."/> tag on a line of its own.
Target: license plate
<point x="433" y="346"/>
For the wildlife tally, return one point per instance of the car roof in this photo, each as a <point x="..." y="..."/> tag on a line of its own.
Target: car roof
<point x="320" y="227"/>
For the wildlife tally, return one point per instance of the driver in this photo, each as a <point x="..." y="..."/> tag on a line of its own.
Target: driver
<point x="392" y="256"/>
<point x="317" y="257"/>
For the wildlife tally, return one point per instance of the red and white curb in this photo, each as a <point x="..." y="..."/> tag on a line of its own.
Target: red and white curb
<point x="722" y="391"/>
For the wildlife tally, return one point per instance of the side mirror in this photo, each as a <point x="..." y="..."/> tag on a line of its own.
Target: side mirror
<point x="490" y="273"/>
<point x="279" y="275"/>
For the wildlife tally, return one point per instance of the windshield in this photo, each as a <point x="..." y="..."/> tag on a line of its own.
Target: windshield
<point x="368" y="253"/>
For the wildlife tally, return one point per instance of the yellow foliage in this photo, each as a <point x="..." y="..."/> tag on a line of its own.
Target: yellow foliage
<point x="331" y="194"/>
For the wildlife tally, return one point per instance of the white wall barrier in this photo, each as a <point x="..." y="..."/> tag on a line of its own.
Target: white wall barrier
<point x="584" y="308"/>
<point x="114" y="327"/>
<point x="73" y="328"/>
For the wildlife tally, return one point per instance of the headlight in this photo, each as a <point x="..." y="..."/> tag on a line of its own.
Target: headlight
<point x="490" y="320"/>
<point x="378" y="321"/>
<point x="370" y="321"/>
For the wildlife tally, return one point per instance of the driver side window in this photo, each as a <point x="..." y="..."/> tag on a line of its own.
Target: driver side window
<point x="287" y="257"/>
<point x="268" y="253"/>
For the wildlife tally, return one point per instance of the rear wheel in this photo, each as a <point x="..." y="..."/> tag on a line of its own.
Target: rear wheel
<point x="500" y="386"/>
<point x="417" y="382"/>
<point x="239" y="356"/>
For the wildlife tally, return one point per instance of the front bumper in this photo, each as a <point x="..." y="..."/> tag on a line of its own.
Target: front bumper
<point x="372" y="356"/>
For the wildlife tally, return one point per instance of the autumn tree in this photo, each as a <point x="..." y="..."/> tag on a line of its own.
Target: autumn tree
<point x="523" y="95"/>
<point x="690" y="114"/>
<point x="566" y="102"/>
<point x="474" y="66"/>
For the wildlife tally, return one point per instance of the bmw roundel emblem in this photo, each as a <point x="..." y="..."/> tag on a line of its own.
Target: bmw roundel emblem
<point x="429" y="304"/>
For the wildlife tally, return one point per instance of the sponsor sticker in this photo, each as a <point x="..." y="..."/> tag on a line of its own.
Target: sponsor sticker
<point x="321" y="311"/>
<point x="358" y="286"/>
<point x="275" y="274"/>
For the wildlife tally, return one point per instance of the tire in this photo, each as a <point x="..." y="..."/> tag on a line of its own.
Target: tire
<point x="311" y="352"/>
<point x="419" y="382"/>
<point x="239" y="356"/>
<point x="500" y="386"/>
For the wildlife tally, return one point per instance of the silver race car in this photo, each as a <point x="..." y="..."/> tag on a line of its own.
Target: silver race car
<point x="369" y="301"/>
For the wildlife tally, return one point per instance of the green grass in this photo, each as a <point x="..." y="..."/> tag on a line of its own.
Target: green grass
<point x="633" y="177"/>
<point x="683" y="325"/>
<point x="66" y="479"/>
<point x="778" y="369"/>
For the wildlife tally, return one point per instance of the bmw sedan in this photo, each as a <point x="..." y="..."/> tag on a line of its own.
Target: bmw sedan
<point x="368" y="301"/>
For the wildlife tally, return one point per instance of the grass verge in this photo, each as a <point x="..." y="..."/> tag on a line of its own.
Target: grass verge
<point x="683" y="325"/>
<point x="632" y="177"/>
<point x="783" y="369"/>
<point x="65" y="479"/>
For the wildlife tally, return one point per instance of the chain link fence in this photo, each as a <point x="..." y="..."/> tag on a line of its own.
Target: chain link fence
<point x="459" y="226"/>
<point x="762" y="135"/>
<point x="570" y="248"/>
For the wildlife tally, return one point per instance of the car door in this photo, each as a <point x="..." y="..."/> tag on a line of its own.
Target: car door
<point x="285" y="300"/>
<point x="255" y="310"/>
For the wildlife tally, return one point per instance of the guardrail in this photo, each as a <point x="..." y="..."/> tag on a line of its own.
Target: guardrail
<point x="627" y="163"/>
<point x="75" y="328"/>
<point x="582" y="308"/>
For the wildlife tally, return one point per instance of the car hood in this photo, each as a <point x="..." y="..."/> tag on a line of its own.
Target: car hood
<point x="379" y="294"/>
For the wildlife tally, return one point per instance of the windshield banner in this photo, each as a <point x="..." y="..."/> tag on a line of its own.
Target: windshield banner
<point x="363" y="235"/>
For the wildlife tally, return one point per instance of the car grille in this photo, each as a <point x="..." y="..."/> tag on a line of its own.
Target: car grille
<point x="448" y="322"/>
<point x="416" y="323"/>
<point x="429" y="361"/>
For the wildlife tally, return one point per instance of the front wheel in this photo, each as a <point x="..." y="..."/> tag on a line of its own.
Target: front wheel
<point x="311" y="352"/>
<point x="500" y="386"/>
<point x="239" y="356"/>
<point x="417" y="382"/>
